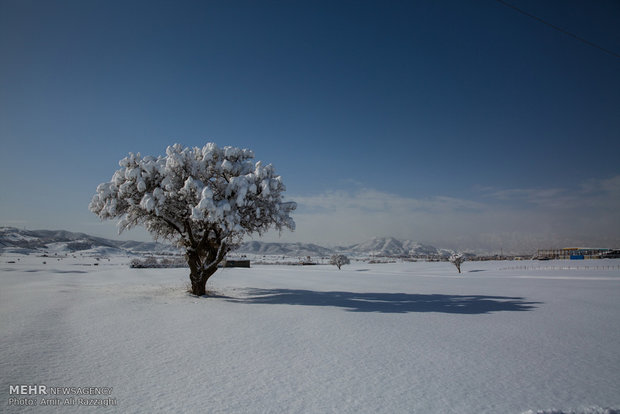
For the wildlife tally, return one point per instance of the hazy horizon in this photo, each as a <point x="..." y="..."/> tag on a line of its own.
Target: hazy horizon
<point x="142" y="236"/>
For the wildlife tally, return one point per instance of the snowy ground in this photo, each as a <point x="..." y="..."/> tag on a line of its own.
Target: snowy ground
<point x="503" y="337"/>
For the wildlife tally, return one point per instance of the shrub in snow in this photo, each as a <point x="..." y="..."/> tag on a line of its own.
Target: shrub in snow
<point x="205" y="199"/>
<point x="339" y="260"/>
<point x="152" y="263"/>
<point x="457" y="259"/>
<point x="144" y="263"/>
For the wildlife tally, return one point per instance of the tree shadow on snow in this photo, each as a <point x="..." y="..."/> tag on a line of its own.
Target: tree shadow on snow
<point x="388" y="302"/>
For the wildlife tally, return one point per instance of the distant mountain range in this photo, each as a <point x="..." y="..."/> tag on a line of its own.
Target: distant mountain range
<point x="284" y="249"/>
<point x="61" y="241"/>
<point x="380" y="247"/>
<point x="389" y="246"/>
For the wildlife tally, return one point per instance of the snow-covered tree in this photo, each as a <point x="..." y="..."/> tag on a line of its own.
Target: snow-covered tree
<point x="339" y="260"/>
<point x="457" y="259"/>
<point x="204" y="199"/>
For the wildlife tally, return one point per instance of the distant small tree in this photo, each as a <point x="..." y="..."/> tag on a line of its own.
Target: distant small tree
<point x="205" y="199"/>
<point x="339" y="260"/>
<point x="457" y="259"/>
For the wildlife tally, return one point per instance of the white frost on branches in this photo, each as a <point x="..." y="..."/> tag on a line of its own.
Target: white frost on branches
<point x="196" y="193"/>
<point x="339" y="260"/>
<point x="457" y="259"/>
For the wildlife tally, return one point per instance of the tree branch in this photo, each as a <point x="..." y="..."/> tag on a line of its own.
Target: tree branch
<point x="172" y="224"/>
<point x="188" y="229"/>
<point x="219" y="256"/>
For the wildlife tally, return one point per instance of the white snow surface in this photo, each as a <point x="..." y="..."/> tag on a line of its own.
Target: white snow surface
<point x="501" y="337"/>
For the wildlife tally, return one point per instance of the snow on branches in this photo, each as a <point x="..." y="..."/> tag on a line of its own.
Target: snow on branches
<point x="339" y="260"/>
<point x="457" y="259"/>
<point x="205" y="198"/>
<point x="193" y="189"/>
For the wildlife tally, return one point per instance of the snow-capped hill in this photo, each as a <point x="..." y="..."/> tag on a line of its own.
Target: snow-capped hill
<point x="62" y="241"/>
<point x="379" y="246"/>
<point x="389" y="246"/>
<point x="418" y="249"/>
<point x="285" y="249"/>
<point x="147" y="247"/>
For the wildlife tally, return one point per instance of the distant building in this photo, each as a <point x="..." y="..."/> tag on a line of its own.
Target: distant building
<point x="236" y="263"/>
<point x="576" y="253"/>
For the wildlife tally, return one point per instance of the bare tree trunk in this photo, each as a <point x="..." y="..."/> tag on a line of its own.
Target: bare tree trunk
<point x="199" y="282"/>
<point x="200" y="271"/>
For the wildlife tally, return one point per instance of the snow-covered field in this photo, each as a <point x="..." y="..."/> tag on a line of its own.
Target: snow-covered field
<point x="503" y="337"/>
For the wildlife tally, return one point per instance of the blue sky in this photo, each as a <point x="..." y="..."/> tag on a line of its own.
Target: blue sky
<point x="459" y="123"/>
